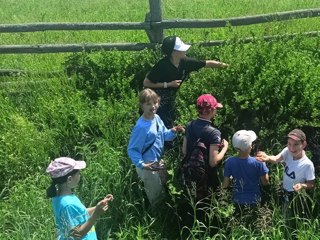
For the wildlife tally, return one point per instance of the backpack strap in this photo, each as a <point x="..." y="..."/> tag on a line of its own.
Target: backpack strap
<point x="147" y="148"/>
<point x="198" y="140"/>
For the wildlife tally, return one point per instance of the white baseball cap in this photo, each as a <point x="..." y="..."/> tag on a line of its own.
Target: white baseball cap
<point x="180" y="46"/>
<point x="243" y="139"/>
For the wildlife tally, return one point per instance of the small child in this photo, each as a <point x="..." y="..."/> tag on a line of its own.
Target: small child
<point x="298" y="174"/>
<point x="72" y="218"/>
<point x="247" y="174"/>
<point x="146" y="145"/>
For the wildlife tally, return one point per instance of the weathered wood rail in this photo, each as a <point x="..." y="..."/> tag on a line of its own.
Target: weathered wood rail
<point x="154" y="25"/>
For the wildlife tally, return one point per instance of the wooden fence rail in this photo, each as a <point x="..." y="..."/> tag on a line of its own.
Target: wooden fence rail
<point x="164" y="24"/>
<point x="64" y="48"/>
<point x="153" y="25"/>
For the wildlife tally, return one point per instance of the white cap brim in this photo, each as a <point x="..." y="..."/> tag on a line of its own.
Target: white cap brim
<point x="80" y="165"/>
<point x="180" y="46"/>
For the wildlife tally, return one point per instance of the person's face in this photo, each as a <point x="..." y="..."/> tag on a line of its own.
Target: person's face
<point x="179" y="54"/>
<point x="150" y="108"/>
<point x="74" y="180"/>
<point x="296" y="147"/>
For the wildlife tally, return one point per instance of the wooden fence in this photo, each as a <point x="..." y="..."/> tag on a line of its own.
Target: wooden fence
<point x="154" y="25"/>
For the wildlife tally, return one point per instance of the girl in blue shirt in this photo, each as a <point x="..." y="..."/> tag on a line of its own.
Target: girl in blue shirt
<point x="73" y="219"/>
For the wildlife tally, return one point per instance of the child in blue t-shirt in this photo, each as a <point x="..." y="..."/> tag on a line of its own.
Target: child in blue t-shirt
<point x="73" y="219"/>
<point x="245" y="172"/>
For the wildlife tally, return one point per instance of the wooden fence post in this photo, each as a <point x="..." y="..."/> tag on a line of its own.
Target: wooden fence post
<point x="155" y="15"/>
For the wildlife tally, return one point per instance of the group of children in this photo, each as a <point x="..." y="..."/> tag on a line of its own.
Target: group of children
<point x="243" y="172"/>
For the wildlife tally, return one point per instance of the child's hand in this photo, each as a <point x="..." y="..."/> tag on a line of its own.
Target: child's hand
<point x="224" y="144"/>
<point x="103" y="206"/>
<point x="178" y="128"/>
<point x="262" y="156"/>
<point x="149" y="166"/>
<point x="108" y="199"/>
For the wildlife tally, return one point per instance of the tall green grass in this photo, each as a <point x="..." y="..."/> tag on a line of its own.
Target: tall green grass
<point x="89" y="114"/>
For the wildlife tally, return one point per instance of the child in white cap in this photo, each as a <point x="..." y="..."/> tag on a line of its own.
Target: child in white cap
<point x="72" y="218"/>
<point x="245" y="173"/>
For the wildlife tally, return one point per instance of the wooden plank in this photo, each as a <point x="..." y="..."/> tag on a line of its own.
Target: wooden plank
<point x="156" y="22"/>
<point x="265" y="38"/>
<point x="59" y="48"/>
<point x="155" y="16"/>
<point x="239" y="21"/>
<point x="38" y="27"/>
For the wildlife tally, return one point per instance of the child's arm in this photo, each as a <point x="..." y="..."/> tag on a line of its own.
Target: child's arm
<point x="91" y="210"/>
<point x="215" y="157"/>
<point x="98" y="210"/>
<point x="263" y="157"/>
<point x="215" y="64"/>
<point x="173" y="84"/>
<point x="264" y="179"/>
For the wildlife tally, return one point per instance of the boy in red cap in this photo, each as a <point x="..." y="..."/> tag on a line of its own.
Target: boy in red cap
<point x="202" y="128"/>
<point x="170" y="72"/>
<point x="203" y="180"/>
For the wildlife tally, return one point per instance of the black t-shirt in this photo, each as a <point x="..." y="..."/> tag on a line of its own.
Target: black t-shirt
<point x="165" y="71"/>
<point x="203" y="129"/>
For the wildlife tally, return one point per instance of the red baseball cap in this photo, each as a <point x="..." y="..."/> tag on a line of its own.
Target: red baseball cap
<point x="207" y="102"/>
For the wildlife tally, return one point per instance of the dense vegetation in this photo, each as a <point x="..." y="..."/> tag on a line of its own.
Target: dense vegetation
<point x="88" y="109"/>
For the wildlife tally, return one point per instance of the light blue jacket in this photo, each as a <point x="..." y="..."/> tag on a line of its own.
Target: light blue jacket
<point x="143" y="135"/>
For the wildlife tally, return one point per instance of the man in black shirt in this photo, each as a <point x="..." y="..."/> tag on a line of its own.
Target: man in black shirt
<point x="170" y="72"/>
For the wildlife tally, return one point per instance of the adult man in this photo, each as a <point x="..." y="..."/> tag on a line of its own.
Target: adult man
<point x="170" y="72"/>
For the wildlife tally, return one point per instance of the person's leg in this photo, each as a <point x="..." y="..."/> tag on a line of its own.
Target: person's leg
<point x="152" y="185"/>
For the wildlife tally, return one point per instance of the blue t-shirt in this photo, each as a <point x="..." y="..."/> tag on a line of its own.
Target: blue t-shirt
<point x="246" y="175"/>
<point x="69" y="212"/>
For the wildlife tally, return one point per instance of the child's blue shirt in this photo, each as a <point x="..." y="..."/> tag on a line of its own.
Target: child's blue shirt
<point x="143" y="135"/>
<point x="246" y="175"/>
<point x="69" y="212"/>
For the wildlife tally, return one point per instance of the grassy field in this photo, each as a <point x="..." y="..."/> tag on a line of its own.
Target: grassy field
<point x="15" y="12"/>
<point x="270" y="88"/>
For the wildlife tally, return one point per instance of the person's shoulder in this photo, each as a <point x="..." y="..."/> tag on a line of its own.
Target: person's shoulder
<point x="67" y="201"/>
<point x="141" y="126"/>
<point x="162" y="62"/>
<point x="307" y="160"/>
<point x="255" y="161"/>
<point x="191" y="60"/>
<point x="230" y="161"/>
<point x="212" y="130"/>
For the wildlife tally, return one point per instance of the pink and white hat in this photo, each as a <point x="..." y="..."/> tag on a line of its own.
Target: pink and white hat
<point x="62" y="166"/>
